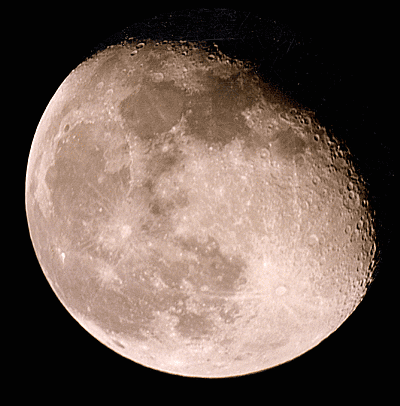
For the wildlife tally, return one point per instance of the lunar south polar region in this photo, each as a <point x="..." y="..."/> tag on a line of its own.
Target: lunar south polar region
<point x="190" y="217"/>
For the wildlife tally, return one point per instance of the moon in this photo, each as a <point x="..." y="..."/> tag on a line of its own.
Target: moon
<point x="191" y="216"/>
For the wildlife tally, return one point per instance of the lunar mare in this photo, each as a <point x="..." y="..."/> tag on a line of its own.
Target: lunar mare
<point x="192" y="218"/>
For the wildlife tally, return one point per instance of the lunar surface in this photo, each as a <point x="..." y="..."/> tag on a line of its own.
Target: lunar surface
<point x="192" y="218"/>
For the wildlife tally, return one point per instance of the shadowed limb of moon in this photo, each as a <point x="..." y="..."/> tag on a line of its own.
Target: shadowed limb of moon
<point x="190" y="217"/>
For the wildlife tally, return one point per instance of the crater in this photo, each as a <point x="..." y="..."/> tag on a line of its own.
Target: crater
<point x="194" y="326"/>
<point x="116" y="342"/>
<point x="287" y="145"/>
<point x="280" y="290"/>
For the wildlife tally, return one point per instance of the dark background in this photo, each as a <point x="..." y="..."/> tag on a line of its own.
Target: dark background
<point x="334" y="61"/>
